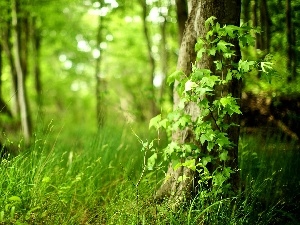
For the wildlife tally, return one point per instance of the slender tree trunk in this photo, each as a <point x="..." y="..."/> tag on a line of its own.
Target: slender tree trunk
<point x="3" y="106"/>
<point x="227" y="12"/>
<point x="265" y="25"/>
<point x="8" y="48"/>
<point x="291" y="56"/>
<point x="182" y="15"/>
<point x="36" y="44"/>
<point x="100" y="82"/>
<point x="246" y="10"/>
<point x="24" y="111"/>
<point x="256" y="22"/>
<point x="164" y="57"/>
<point x="23" y="32"/>
<point x="150" y="57"/>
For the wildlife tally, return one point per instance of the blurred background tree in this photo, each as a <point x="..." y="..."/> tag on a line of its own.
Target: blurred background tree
<point x="80" y="63"/>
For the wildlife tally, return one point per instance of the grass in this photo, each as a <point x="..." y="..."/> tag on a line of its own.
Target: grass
<point x="93" y="180"/>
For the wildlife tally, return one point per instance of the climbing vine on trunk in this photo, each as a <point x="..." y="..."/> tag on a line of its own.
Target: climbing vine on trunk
<point x="206" y="151"/>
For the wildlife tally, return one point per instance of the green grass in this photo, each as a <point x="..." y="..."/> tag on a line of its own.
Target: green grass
<point x="93" y="180"/>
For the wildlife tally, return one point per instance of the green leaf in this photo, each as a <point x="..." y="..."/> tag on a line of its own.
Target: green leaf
<point x="154" y="122"/>
<point x="266" y="66"/>
<point x="190" y="164"/>
<point x="210" y="145"/>
<point x="229" y="75"/>
<point x="182" y="178"/>
<point x="218" y="65"/>
<point x="200" y="53"/>
<point x="189" y="85"/>
<point x="212" y="51"/>
<point x="206" y="160"/>
<point x="230" y="30"/>
<point x="14" y="199"/>
<point x="151" y="161"/>
<point x="177" y="166"/>
<point x="164" y="123"/>
<point x="199" y="44"/>
<point x="210" y="81"/>
<point x="222" y="46"/>
<point x="174" y="76"/>
<point x="245" y="66"/>
<point x="224" y="156"/>
<point x="210" y="21"/>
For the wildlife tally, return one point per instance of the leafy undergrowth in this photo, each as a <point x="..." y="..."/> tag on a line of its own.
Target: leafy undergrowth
<point x="101" y="181"/>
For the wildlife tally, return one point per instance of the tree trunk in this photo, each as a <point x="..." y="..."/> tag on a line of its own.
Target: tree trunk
<point x="265" y="25"/>
<point x="24" y="110"/>
<point x="256" y="19"/>
<point x="182" y="15"/>
<point x="227" y="12"/>
<point x="100" y="83"/>
<point x="246" y="11"/>
<point x="164" y="57"/>
<point x="36" y="42"/>
<point x="152" y="97"/>
<point x="3" y="106"/>
<point x="291" y="55"/>
<point x="8" y="48"/>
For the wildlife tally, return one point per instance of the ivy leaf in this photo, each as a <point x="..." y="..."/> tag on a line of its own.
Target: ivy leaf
<point x="210" y="145"/>
<point x="199" y="44"/>
<point x="247" y="40"/>
<point x="266" y="66"/>
<point x="151" y="161"/>
<point x="206" y="160"/>
<point x="190" y="164"/>
<point x="244" y="65"/>
<point x="212" y="51"/>
<point x="189" y="85"/>
<point x="229" y="75"/>
<point x="174" y="76"/>
<point x="230" y="29"/>
<point x="218" y="64"/>
<point x="210" y="81"/>
<point x="210" y="21"/>
<point x="163" y="123"/>
<point x="200" y="53"/>
<point x="224" y="156"/>
<point x="177" y="165"/>
<point x="222" y="46"/>
<point x="182" y="178"/>
<point x="154" y="122"/>
<point x="222" y="140"/>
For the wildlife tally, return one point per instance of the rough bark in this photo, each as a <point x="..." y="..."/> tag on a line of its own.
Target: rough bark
<point x="182" y="15"/>
<point x="227" y="12"/>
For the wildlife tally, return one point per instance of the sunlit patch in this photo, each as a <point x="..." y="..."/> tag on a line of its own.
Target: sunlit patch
<point x="62" y="58"/>
<point x="109" y="37"/>
<point x="68" y="64"/>
<point x="96" y="53"/>
<point x="83" y="46"/>
<point x="158" y="79"/>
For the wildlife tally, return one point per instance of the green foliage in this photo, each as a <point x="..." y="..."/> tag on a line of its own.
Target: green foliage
<point x="204" y="88"/>
<point x="95" y="184"/>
